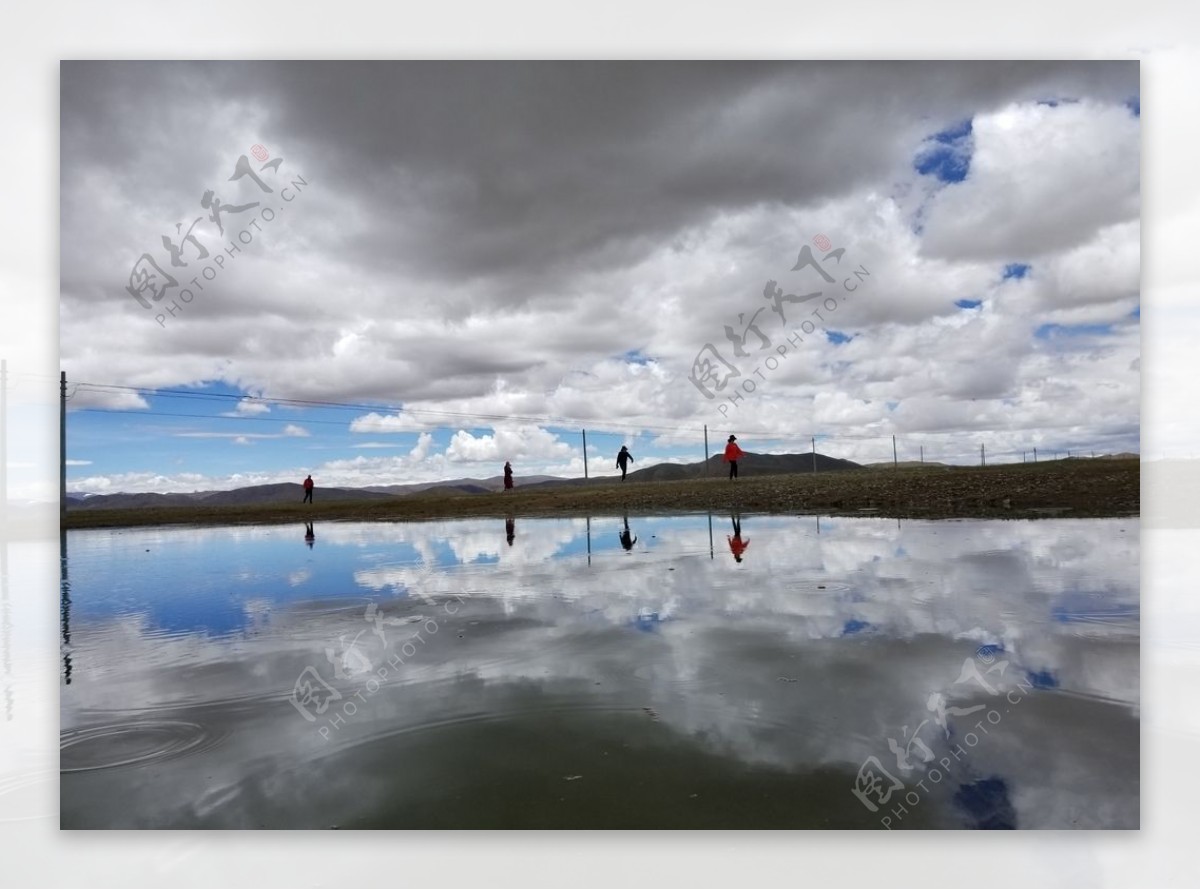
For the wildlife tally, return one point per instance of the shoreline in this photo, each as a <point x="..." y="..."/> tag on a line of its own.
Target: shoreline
<point x="1068" y="488"/>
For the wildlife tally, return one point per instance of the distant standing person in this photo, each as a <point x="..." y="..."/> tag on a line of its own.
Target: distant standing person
<point x="732" y="455"/>
<point x="624" y="458"/>
<point x="508" y="483"/>
<point x="308" y="487"/>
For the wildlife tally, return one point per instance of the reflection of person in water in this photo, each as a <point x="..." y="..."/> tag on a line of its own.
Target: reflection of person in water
<point x="736" y="545"/>
<point x="510" y="529"/>
<point x="627" y="540"/>
<point x="309" y="536"/>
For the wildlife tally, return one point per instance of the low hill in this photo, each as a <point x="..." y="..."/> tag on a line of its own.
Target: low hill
<point x="277" y="493"/>
<point x="285" y="492"/>
<point x="750" y="465"/>
<point x="494" y="483"/>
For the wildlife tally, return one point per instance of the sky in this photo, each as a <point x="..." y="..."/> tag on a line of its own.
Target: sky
<point x="459" y="264"/>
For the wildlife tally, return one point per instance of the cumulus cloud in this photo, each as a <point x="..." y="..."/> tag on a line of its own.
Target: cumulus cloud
<point x="1043" y="178"/>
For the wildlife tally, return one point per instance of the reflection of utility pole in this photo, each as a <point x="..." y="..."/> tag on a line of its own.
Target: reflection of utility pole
<point x="589" y="539"/>
<point x="711" y="555"/>
<point x="65" y="606"/>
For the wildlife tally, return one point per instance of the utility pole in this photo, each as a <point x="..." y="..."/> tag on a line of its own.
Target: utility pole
<point x="922" y="454"/>
<point x="982" y="461"/>
<point x="62" y="449"/>
<point x="814" y="444"/>
<point x="895" y="460"/>
<point x="585" y="475"/>
<point x="1035" y="455"/>
<point x="706" y="466"/>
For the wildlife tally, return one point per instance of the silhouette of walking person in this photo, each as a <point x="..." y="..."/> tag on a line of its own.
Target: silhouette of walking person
<point x="508" y="480"/>
<point x="627" y="540"/>
<point x="732" y="454"/>
<point x="308" y="490"/>
<point x="624" y="458"/>
<point x="737" y="546"/>
<point x="309" y="535"/>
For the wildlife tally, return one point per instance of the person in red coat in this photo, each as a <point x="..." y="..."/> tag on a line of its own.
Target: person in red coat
<point x="308" y="488"/>
<point x="732" y="454"/>
<point x="737" y="544"/>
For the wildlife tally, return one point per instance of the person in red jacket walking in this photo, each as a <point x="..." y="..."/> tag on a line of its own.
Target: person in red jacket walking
<point x="732" y="454"/>
<point x="308" y="487"/>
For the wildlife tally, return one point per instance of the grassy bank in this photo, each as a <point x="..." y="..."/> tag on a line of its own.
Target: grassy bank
<point x="1078" y="488"/>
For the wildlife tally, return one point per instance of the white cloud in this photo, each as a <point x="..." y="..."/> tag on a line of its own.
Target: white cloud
<point x="248" y="407"/>
<point x="1042" y="179"/>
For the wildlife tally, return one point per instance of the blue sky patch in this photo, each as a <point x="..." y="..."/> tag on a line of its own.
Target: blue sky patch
<point x="968" y="304"/>
<point x="947" y="154"/>
<point x="837" y="337"/>
<point x="1042" y="679"/>
<point x="1016" y="270"/>
<point x="1056" y="331"/>
<point x="1134" y="105"/>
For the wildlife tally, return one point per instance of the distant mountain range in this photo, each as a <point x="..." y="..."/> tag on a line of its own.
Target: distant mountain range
<point x="281" y="492"/>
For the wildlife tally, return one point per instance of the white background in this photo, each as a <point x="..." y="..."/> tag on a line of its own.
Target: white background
<point x="1164" y="36"/>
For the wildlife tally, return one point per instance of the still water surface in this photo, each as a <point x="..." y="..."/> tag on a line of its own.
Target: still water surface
<point x="661" y="672"/>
